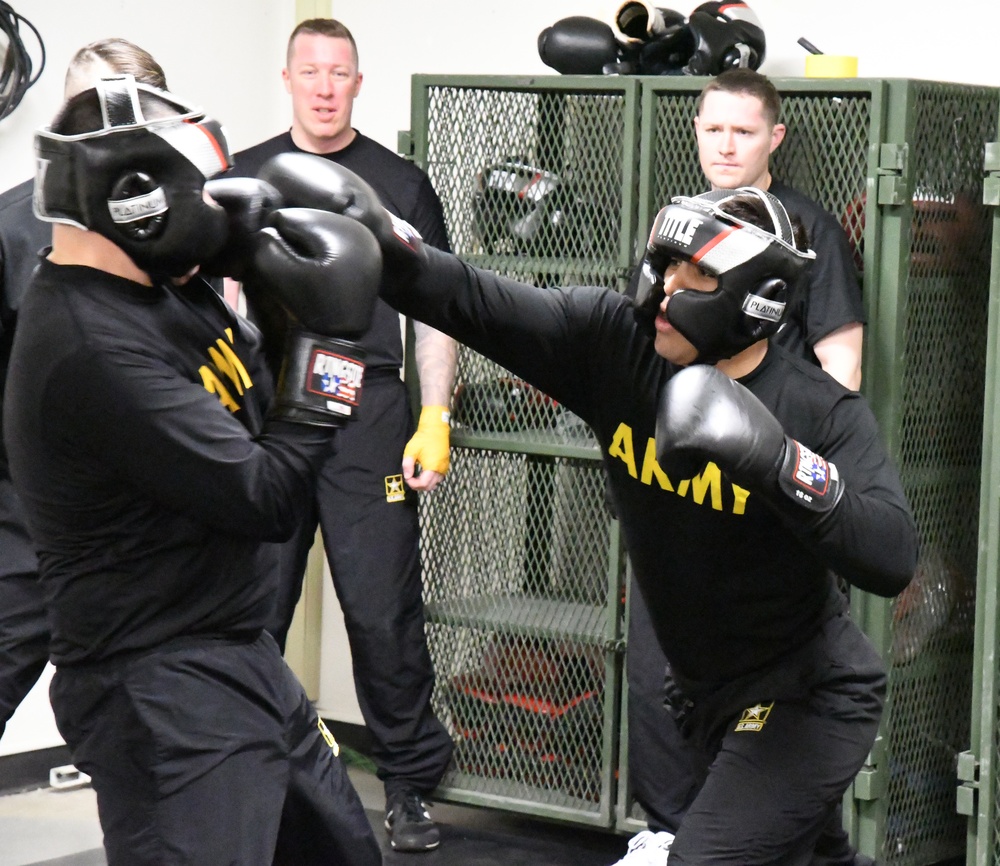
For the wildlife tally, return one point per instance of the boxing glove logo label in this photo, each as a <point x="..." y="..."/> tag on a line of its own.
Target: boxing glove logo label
<point x="406" y="233"/>
<point x="336" y="378"/>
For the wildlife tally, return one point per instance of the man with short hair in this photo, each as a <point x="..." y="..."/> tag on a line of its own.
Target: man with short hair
<point x="737" y="127"/>
<point x="155" y="459"/>
<point x="24" y="630"/>
<point x="366" y="500"/>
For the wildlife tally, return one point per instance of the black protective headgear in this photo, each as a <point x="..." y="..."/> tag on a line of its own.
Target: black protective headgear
<point x="138" y="180"/>
<point x="726" y="35"/>
<point x="521" y="208"/>
<point x="756" y="269"/>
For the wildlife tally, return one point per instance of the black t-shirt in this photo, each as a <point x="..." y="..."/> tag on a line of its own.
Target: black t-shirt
<point x="830" y="296"/>
<point x="404" y="189"/>
<point x="148" y="472"/>
<point x="731" y="585"/>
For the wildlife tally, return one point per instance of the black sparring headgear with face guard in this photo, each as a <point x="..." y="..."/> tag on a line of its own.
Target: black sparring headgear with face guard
<point x="726" y="35"/>
<point x="756" y="268"/>
<point x="138" y="180"/>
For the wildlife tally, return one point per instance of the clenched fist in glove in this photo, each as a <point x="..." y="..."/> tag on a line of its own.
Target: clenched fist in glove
<point x="307" y="180"/>
<point x="323" y="270"/>
<point x="248" y="203"/>
<point x="703" y="413"/>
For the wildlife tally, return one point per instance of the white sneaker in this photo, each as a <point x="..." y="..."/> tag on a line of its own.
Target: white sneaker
<point x="647" y="849"/>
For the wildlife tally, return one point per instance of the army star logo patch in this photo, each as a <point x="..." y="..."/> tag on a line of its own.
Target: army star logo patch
<point x="394" y="489"/>
<point x="754" y="718"/>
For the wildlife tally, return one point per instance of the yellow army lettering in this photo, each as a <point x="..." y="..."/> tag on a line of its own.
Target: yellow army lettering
<point x="226" y="362"/>
<point x="707" y="484"/>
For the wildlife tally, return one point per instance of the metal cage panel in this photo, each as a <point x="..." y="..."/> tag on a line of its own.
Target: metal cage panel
<point x="555" y="180"/>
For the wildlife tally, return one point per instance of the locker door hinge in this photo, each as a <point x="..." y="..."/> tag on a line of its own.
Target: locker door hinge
<point x="967" y="794"/>
<point x="893" y="185"/>
<point x="871" y="781"/>
<point x="404" y="144"/>
<point x="615" y="645"/>
<point x="991" y="165"/>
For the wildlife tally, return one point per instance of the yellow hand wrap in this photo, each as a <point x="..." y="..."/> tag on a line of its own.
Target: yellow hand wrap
<point x="430" y="445"/>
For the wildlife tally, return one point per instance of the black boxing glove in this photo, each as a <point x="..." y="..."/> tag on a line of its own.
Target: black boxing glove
<point x="248" y="203"/>
<point x="667" y="52"/>
<point x="310" y="181"/>
<point x="702" y="414"/>
<point x="659" y="40"/>
<point x="637" y="21"/>
<point x="579" y="46"/>
<point x="323" y="269"/>
<point x="726" y="35"/>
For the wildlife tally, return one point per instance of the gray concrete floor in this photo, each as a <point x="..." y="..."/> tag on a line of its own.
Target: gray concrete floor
<point x="60" y="828"/>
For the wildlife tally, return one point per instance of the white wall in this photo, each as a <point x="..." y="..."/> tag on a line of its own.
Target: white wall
<point x="227" y="56"/>
<point x="397" y="38"/>
<point x="32" y="726"/>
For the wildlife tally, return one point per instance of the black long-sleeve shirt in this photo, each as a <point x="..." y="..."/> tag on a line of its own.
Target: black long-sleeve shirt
<point x="730" y="585"/>
<point x="136" y="432"/>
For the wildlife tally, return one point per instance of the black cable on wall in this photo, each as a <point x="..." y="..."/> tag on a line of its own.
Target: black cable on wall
<point x="15" y="64"/>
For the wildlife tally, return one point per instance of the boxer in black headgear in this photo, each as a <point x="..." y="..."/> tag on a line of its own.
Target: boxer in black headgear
<point x="156" y="462"/>
<point x="756" y="269"/>
<point x="24" y="630"/>
<point x="739" y="486"/>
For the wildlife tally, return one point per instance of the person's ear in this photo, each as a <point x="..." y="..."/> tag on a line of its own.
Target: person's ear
<point x="777" y="136"/>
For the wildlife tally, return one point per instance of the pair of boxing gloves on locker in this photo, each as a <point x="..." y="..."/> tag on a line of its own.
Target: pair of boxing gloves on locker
<point x="645" y="39"/>
<point x="321" y="260"/>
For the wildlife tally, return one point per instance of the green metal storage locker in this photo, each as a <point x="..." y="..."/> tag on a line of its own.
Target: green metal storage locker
<point x="555" y="180"/>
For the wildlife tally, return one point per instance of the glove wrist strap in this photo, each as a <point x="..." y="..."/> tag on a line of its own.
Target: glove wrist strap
<point x="809" y="480"/>
<point x="320" y="380"/>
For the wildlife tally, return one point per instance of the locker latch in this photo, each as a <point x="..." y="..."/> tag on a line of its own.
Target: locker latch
<point x="871" y="782"/>
<point x="967" y="793"/>
<point x="991" y="165"/>
<point x="404" y="144"/>
<point x="893" y="185"/>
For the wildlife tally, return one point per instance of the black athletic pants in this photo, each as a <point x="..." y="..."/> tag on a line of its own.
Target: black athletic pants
<point x="368" y="519"/>
<point x="24" y="628"/>
<point x="759" y="774"/>
<point x="209" y="752"/>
